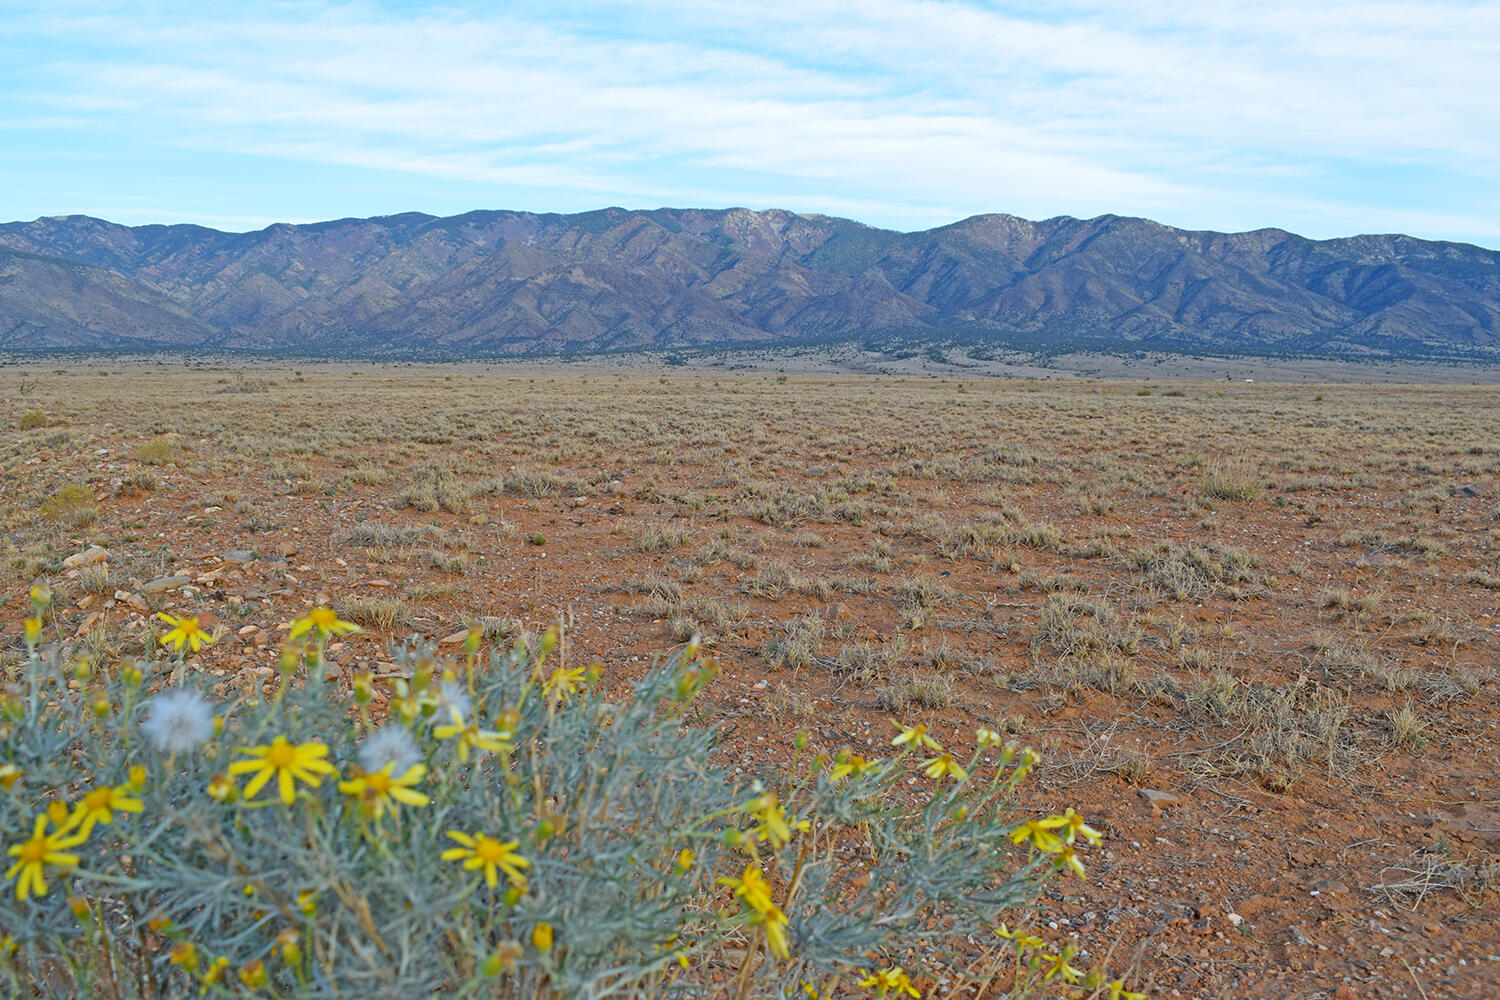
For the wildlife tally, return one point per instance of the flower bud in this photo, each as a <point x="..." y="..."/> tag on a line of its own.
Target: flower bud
<point x="185" y="955"/>
<point x="41" y="594"/>
<point x="221" y="788"/>
<point x="253" y="974"/>
<point x="502" y="959"/>
<point x="289" y="944"/>
<point x="541" y="937"/>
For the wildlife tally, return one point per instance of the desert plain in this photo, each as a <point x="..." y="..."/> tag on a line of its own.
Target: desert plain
<point x="1252" y="628"/>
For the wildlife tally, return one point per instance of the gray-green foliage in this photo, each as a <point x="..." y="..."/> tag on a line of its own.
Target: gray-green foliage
<point x="600" y="794"/>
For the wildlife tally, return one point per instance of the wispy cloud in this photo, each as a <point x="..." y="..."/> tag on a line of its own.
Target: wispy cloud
<point x="1234" y="114"/>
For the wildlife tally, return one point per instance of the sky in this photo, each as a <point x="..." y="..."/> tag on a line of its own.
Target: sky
<point x="1328" y="118"/>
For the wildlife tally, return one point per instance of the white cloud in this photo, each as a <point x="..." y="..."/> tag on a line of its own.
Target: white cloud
<point x="1217" y="114"/>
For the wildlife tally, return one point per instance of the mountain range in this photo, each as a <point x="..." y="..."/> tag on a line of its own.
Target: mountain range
<point x="496" y="283"/>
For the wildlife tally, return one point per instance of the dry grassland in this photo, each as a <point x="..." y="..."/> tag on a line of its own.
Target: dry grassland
<point x="1275" y="603"/>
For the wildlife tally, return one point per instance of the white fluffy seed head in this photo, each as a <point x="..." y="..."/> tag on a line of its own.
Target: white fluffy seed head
<point x="178" y="721"/>
<point x="390" y="744"/>
<point x="451" y="699"/>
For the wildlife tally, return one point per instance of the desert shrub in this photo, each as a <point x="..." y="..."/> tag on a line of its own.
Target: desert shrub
<point x="506" y="830"/>
<point x="159" y="451"/>
<point x="1199" y="570"/>
<point x="1233" y="479"/>
<point x="33" y="419"/>
<point x="72" y="507"/>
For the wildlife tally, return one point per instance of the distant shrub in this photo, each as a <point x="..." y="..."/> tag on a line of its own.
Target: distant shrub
<point x="71" y="507"/>
<point x="160" y="451"/>
<point x="32" y="419"/>
<point x="1233" y="479"/>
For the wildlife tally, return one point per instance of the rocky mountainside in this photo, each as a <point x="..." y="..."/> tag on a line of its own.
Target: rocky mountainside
<point x="498" y="283"/>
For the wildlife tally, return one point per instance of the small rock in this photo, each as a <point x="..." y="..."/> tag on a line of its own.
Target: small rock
<point x="239" y="556"/>
<point x="162" y="584"/>
<point x="89" y="556"/>
<point x="1298" y="937"/>
<point x="1329" y="888"/>
<point x="247" y="630"/>
<point x="1157" y="799"/>
<point x="1344" y="992"/>
<point x="454" y="639"/>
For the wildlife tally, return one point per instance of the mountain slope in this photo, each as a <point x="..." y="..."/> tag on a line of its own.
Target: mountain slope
<point x="498" y="282"/>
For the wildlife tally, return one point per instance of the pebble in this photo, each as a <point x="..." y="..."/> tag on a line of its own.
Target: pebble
<point x="1157" y="799"/>
<point x="239" y="556"/>
<point x="162" y="584"/>
<point x="89" y="556"/>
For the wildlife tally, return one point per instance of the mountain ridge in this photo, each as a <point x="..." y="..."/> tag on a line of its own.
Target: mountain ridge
<point x="499" y="282"/>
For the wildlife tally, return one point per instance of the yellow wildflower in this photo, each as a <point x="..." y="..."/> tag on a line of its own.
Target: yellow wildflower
<point x="483" y="851"/>
<point x="1067" y="857"/>
<point x="33" y="856"/>
<point x="773" y="827"/>
<point x="185" y="632"/>
<point x="1039" y="833"/>
<point x="470" y="736"/>
<point x="1078" y="828"/>
<point x="987" y="738"/>
<point x="563" y="683"/>
<point x="324" y="622"/>
<point x="1117" y="991"/>
<point x="33" y="628"/>
<point x="890" y="982"/>
<point x="9" y="775"/>
<point x="285" y="761"/>
<point x="848" y="764"/>
<point x="944" y="766"/>
<point x="541" y="936"/>
<point x="379" y="791"/>
<point x="756" y="893"/>
<point x="916" y="736"/>
<point x="100" y="806"/>
<point x="1024" y="942"/>
<point x="1059" y="968"/>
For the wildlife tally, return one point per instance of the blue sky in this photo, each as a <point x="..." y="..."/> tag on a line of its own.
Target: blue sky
<point x="1328" y="118"/>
